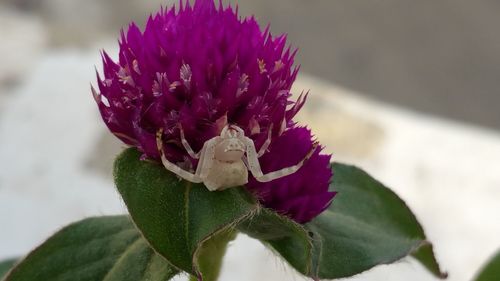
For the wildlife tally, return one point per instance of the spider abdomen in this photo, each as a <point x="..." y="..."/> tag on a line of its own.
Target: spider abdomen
<point x="223" y="175"/>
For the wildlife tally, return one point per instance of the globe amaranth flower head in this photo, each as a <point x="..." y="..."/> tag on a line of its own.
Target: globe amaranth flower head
<point x="198" y="69"/>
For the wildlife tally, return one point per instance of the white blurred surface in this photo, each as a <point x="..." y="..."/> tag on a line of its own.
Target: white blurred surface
<point x="448" y="173"/>
<point x="23" y="39"/>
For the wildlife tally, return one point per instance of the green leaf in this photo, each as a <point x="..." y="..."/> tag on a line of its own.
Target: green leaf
<point x="103" y="248"/>
<point x="491" y="271"/>
<point x="366" y="225"/>
<point x="175" y="216"/>
<point x="5" y="266"/>
<point x="283" y="235"/>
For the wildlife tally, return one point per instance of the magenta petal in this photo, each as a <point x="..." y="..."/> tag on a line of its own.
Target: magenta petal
<point x="234" y="68"/>
<point x="304" y="194"/>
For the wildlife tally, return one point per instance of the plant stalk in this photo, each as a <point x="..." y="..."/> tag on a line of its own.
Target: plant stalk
<point x="211" y="255"/>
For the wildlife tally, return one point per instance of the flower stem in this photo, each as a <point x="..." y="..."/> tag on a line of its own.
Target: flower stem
<point x="211" y="254"/>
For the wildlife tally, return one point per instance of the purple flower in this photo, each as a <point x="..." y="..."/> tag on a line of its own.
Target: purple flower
<point x="304" y="194"/>
<point x="200" y="68"/>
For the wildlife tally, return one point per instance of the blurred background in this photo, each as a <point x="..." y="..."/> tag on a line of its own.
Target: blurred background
<point x="408" y="90"/>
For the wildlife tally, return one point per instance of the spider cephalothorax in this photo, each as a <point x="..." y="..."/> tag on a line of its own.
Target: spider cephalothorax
<point x="224" y="161"/>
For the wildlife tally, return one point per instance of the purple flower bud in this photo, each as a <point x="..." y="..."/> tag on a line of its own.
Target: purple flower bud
<point x="200" y="68"/>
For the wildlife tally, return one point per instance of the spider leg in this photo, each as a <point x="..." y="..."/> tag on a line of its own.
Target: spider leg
<point x="206" y="163"/>
<point x="263" y="148"/>
<point x="255" y="169"/>
<point x="245" y="160"/>
<point x="251" y="160"/>
<point x="186" y="145"/>
<point x="171" y="166"/>
<point x="207" y="158"/>
<point x="240" y="130"/>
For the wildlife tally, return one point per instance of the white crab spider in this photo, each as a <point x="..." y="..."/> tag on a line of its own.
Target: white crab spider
<point x="224" y="161"/>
